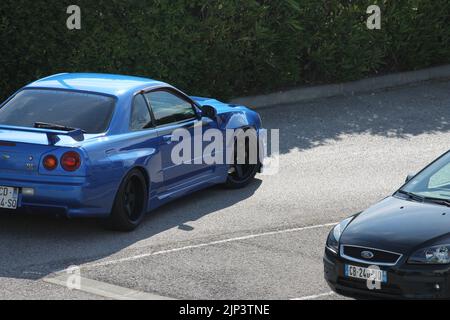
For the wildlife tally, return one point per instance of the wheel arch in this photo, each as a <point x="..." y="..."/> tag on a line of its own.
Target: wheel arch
<point x="240" y="118"/>
<point x="142" y="170"/>
<point x="145" y="174"/>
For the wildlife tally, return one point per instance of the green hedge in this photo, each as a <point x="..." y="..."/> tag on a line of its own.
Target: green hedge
<point x="221" y="48"/>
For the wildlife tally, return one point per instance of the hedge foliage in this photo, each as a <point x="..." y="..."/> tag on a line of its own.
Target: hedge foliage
<point x="221" y="48"/>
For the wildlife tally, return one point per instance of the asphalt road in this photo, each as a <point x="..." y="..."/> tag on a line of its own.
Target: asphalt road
<point x="338" y="156"/>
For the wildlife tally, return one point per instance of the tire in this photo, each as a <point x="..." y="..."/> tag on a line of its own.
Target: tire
<point x="130" y="204"/>
<point x="241" y="175"/>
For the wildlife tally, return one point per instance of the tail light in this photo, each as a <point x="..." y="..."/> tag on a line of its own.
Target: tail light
<point x="50" y="162"/>
<point x="70" y="161"/>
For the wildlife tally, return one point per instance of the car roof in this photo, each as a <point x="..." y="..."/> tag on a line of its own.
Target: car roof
<point x="110" y="84"/>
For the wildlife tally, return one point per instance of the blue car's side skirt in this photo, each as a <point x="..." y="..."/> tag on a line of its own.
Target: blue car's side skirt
<point x="169" y="196"/>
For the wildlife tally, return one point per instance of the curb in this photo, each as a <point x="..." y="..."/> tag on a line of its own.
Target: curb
<point x="348" y="88"/>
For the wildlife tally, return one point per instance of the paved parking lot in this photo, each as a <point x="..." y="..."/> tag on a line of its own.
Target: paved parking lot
<point x="338" y="156"/>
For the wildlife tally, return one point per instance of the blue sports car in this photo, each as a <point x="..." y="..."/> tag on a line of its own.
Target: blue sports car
<point x="97" y="145"/>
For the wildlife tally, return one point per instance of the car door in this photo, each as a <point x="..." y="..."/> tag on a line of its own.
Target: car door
<point x="146" y="137"/>
<point x="172" y="111"/>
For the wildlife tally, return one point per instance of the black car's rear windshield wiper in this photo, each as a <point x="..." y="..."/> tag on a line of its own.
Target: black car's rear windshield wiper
<point x="412" y="196"/>
<point x="54" y="126"/>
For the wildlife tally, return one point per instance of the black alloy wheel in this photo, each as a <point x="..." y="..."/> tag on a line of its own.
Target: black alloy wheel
<point x="130" y="204"/>
<point x="241" y="173"/>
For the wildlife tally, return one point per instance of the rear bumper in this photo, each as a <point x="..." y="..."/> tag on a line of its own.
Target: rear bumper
<point x="404" y="281"/>
<point x="68" y="196"/>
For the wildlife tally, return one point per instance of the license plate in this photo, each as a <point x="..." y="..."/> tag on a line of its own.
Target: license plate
<point x="9" y="197"/>
<point x="365" y="273"/>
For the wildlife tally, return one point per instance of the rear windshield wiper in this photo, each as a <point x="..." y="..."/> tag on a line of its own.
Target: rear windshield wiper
<point x="54" y="126"/>
<point x="412" y="196"/>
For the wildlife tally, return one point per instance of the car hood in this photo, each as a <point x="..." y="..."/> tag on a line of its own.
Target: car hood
<point x="231" y="115"/>
<point x="398" y="225"/>
<point x="219" y="106"/>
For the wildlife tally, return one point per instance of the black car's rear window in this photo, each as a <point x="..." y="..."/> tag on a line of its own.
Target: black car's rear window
<point x="87" y="111"/>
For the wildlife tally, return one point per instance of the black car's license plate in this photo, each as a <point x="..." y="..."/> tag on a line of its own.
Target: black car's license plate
<point x="365" y="273"/>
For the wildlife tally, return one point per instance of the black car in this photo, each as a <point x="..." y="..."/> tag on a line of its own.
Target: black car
<point x="399" y="248"/>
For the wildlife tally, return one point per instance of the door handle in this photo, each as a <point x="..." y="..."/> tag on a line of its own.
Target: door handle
<point x="167" y="139"/>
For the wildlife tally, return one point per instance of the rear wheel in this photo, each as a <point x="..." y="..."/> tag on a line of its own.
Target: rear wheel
<point x="241" y="173"/>
<point x="130" y="204"/>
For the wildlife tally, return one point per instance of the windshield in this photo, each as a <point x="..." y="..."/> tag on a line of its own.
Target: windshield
<point x="89" y="112"/>
<point x="433" y="182"/>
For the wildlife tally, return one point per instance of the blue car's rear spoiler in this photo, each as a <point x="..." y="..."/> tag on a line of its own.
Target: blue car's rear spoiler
<point x="52" y="135"/>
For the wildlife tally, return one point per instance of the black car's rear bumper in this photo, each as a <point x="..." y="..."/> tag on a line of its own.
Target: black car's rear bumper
<point x="404" y="281"/>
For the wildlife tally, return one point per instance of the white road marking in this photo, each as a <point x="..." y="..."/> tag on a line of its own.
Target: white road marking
<point x="104" y="289"/>
<point x="202" y="245"/>
<point x="317" y="296"/>
<point x="115" y="292"/>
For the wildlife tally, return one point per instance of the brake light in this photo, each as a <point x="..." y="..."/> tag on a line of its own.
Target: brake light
<point x="70" y="161"/>
<point x="50" y="162"/>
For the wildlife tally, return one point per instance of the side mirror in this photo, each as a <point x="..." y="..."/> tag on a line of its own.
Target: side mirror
<point x="409" y="177"/>
<point x="209" y="112"/>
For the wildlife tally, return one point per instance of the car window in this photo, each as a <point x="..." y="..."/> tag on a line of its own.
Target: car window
<point x="140" y="115"/>
<point x="168" y="108"/>
<point x="433" y="181"/>
<point x="441" y="178"/>
<point x="87" y="111"/>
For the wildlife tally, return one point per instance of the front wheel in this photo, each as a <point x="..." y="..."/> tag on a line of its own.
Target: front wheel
<point x="130" y="204"/>
<point x="242" y="172"/>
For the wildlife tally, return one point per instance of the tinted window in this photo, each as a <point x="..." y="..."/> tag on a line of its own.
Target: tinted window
<point x="441" y="179"/>
<point x="434" y="181"/>
<point x="90" y="112"/>
<point x="168" y="108"/>
<point x="140" y="115"/>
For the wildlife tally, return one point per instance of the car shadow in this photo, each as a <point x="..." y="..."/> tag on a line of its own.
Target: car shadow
<point x="33" y="246"/>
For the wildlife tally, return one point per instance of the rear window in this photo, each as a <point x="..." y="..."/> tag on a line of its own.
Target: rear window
<point x="87" y="111"/>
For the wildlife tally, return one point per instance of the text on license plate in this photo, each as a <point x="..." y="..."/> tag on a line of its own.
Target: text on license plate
<point x="365" y="273"/>
<point x="9" y="197"/>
